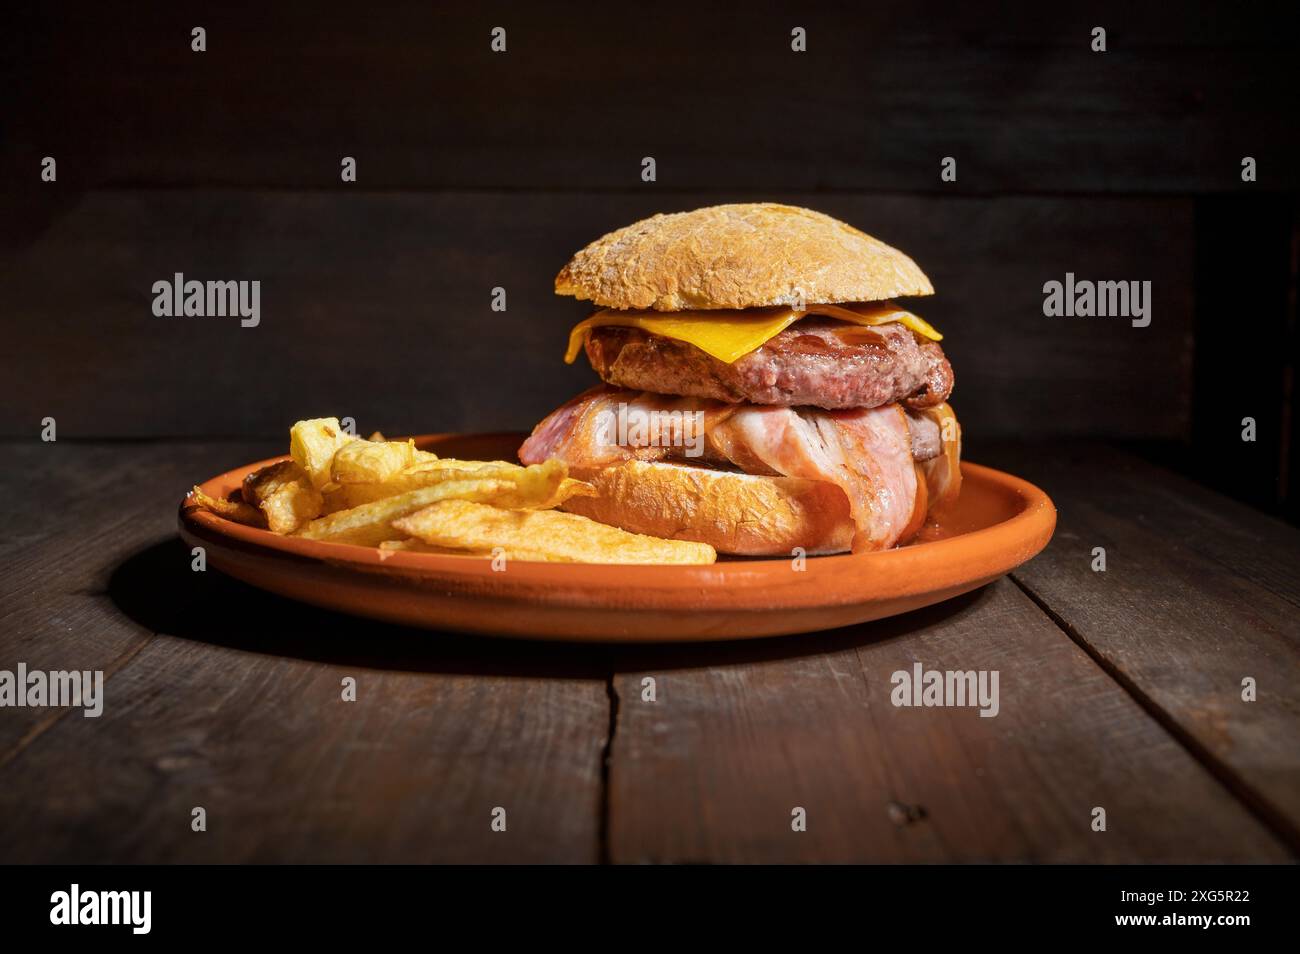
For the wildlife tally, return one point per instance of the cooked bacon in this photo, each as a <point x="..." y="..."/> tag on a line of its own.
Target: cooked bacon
<point x="580" y="432"/>
<point x="867" y="453"/>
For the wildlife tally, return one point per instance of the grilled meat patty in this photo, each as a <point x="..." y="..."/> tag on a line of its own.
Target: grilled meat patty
<point x="817" y="361"/>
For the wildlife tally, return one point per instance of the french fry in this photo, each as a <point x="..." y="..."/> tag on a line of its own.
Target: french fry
<point x="545" y="487"/>
<point x="419" y="546"/>
<point x="312" y="444"/>
<point x="369" y="462"/>
<point x="433" y="462"/>
<point x="536" y="484"/>
<point x="371" y="524"/>
<point x="548" y="535"/>
<point x="285" y="495"/>
<point x="345" y="496"/>
<point x="392" y="495"/>
<point x="568" y="487"/>
<point x="237" y="511"/>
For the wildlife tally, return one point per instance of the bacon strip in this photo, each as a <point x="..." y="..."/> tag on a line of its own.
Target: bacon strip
<point x="583" y="432"/>
<point x="867" y="453"/>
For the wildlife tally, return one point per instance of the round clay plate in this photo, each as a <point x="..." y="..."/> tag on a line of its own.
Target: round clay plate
<point x="999" y="522"/>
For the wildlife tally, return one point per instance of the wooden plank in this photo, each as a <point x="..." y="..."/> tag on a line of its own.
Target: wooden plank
<point x="1198" y="594"/>
<point x="720" y="100"/>
<point x="1231" y="537"/>
<point x="240" y="712"/>
<point x="234" y="700"/>
<point x="237" y="706"/>
<point x="741" y="735"/>
<point x="378" y="306"/>
<point x="51" y="492"/>
<point x="73" y="512"/>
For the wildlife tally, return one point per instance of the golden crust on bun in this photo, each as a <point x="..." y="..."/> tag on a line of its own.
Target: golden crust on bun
<point x="749" y="255"/>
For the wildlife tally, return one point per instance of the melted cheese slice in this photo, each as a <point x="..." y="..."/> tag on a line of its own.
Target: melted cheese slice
<point x="729" y="335"/>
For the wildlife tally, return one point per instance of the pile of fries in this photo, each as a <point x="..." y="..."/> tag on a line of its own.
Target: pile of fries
<point x="342" y="489"/>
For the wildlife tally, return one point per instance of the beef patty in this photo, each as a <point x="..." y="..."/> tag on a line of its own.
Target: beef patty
<point x="817" y="361"/>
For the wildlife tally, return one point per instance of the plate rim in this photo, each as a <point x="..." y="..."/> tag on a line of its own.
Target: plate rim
<point x="1019" y="538"/>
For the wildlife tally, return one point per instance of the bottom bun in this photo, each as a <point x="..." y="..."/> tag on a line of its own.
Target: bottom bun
<point x="734" y="512"/>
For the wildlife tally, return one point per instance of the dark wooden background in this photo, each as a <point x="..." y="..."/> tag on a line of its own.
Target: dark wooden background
<point x="476" y="170"/>
<point x="479" y="169"/>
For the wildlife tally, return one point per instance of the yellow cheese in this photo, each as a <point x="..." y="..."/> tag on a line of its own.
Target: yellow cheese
<point x="729" y="335"/>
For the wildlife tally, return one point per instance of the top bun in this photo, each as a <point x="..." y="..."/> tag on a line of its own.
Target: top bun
<point x="749" y="255"/>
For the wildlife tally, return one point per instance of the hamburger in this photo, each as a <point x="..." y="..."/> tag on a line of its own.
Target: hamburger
<point x="762" y="389"/>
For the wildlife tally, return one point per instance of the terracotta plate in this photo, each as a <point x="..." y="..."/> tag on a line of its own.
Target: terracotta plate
<point x="1000" y="522"/>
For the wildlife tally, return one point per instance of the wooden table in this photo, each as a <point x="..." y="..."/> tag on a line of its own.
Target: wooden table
<point x="1119" y="689"/>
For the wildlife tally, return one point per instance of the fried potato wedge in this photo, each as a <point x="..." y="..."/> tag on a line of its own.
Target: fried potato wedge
<point x="548" y="535"/>
<point x="285" y="495"/>
<point x="312" y="444"/>
<point x="371" y="524"/>
<point x="235" y="510"/>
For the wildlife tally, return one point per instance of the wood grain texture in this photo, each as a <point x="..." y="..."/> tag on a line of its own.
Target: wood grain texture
<point x="378" y="306"/>
<point x="235" y="705"/>
<point x="1198" y="594"/>
<point x="223" y="697"/>
<point x="72" y="512"/>
<point x="736" y="740"/>
<point x="713" y="92"/>
<point x="287" y="772"/>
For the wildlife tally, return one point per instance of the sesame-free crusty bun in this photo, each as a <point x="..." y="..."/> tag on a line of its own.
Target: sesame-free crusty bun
<point x="733" y="512"/>
<point x="749" y="255"/>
